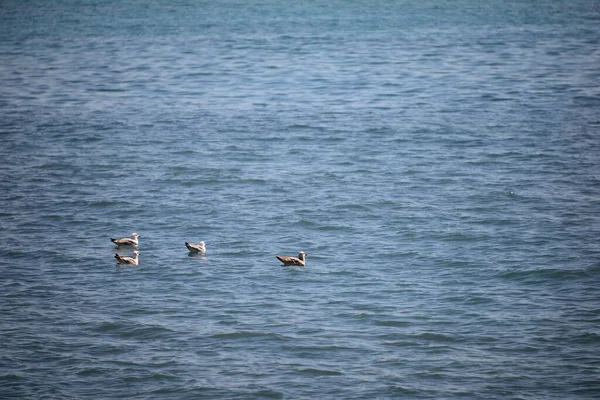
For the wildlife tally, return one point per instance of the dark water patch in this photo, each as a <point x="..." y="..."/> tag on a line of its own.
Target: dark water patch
<point x="319" y="372"/>
<point x="586" y="338"/>
<point x="352" y="207"/>
<point x="307" y="223"/>
<point x="544" y="275"/>
<point x="106" y="90"/>
<point x="192" y="390"/>
<point x="252" y="181"/>
<point x="355" y="315"/>
<point x="587" y="101"/>
<point x="129" y="331"/>
<point x="246" y="335"/>
<point x="333" y="139"/>
<point x="147" y="376"/>
<point x="593" y="268"/>
<point x="95" y="371"/>
<point x="300" y="127"/>
<point x="586" y="388"/>
<point x="11" y="377"/>
<point x="435" y="337"/>
<point x="392" y="323"/>
<point x="333" y="228"/>
<point x="266" y="394"/>
<point x="477" y="300"/>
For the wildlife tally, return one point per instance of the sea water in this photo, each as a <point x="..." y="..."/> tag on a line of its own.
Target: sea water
<point x="438" y="161"/>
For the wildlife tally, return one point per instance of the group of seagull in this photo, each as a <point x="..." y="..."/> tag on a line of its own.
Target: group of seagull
<point x="199" y="248"/>
<point x="131" y="241"/>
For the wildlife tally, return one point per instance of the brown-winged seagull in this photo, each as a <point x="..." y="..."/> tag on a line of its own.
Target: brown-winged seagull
<point x="293" y="260"/>
<point x="128" y="260"/>
<point x="127" y="241"/>
<point x="199" y="248"/>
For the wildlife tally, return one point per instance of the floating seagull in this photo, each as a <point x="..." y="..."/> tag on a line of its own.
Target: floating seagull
<point x="128" y="260"/>
<point x="293" y="260"/>
<point x="196" y="248"/>
<point x="127" y="241"/>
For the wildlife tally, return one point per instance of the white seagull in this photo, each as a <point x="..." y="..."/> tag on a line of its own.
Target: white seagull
<point x="128" y="260"/>
<point x="196" y="248"/>
<point x="293" y="260"/>
<point x="127" y="241"/>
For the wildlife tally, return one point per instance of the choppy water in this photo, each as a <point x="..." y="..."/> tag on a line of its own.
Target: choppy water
<point x="437" y="160"/>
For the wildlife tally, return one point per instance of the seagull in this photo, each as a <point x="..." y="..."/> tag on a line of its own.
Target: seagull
<point x="196" y="248"/>
<point x="128" y="260"/>
<point x="293" y="260"/>
<point x="127" y="241"/>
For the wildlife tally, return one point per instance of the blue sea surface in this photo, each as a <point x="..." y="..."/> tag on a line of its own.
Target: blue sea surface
<point x="437" y="160"/>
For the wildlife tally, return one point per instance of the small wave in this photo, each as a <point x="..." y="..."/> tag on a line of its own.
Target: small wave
<point x="478" y="300"/>
<point x="107" y="90"/>
<point x="198" y="74"/>
<point x="316" y="349"/>
<point x="270" y="139"/>
<point x="55" y="166"/>
<point x="392" y="323"/>
<point x="319" y="372"/>
<point x="299" y="126"/>
<point x="401" y="343"/>
<point x="401" y="254"/>
<point x="586" y="338"/>
<point x="255" y="181"/>
<point x="108" y="203"/>
<point x="436" y="337"/>
<point x="127" y="331"/>
<point x="354" y="315"/>
<point x="332" y="228"/>
<point x="11" y="377"/>
<point x="93" y="371"/>
<point x="587" y="101"/>
<point x="543" y="274"/>
<point x="267" y="394"/>
<point x="593" y="267"/>
<point x="400" y="390"/>
<point x="333" y="139"/>
<point x="246" y="335"/>
<point x="155" y="376"/>
<point x="341" y="272"/>
<point x="352" y="207"/>
<point x="305" y="222"/>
